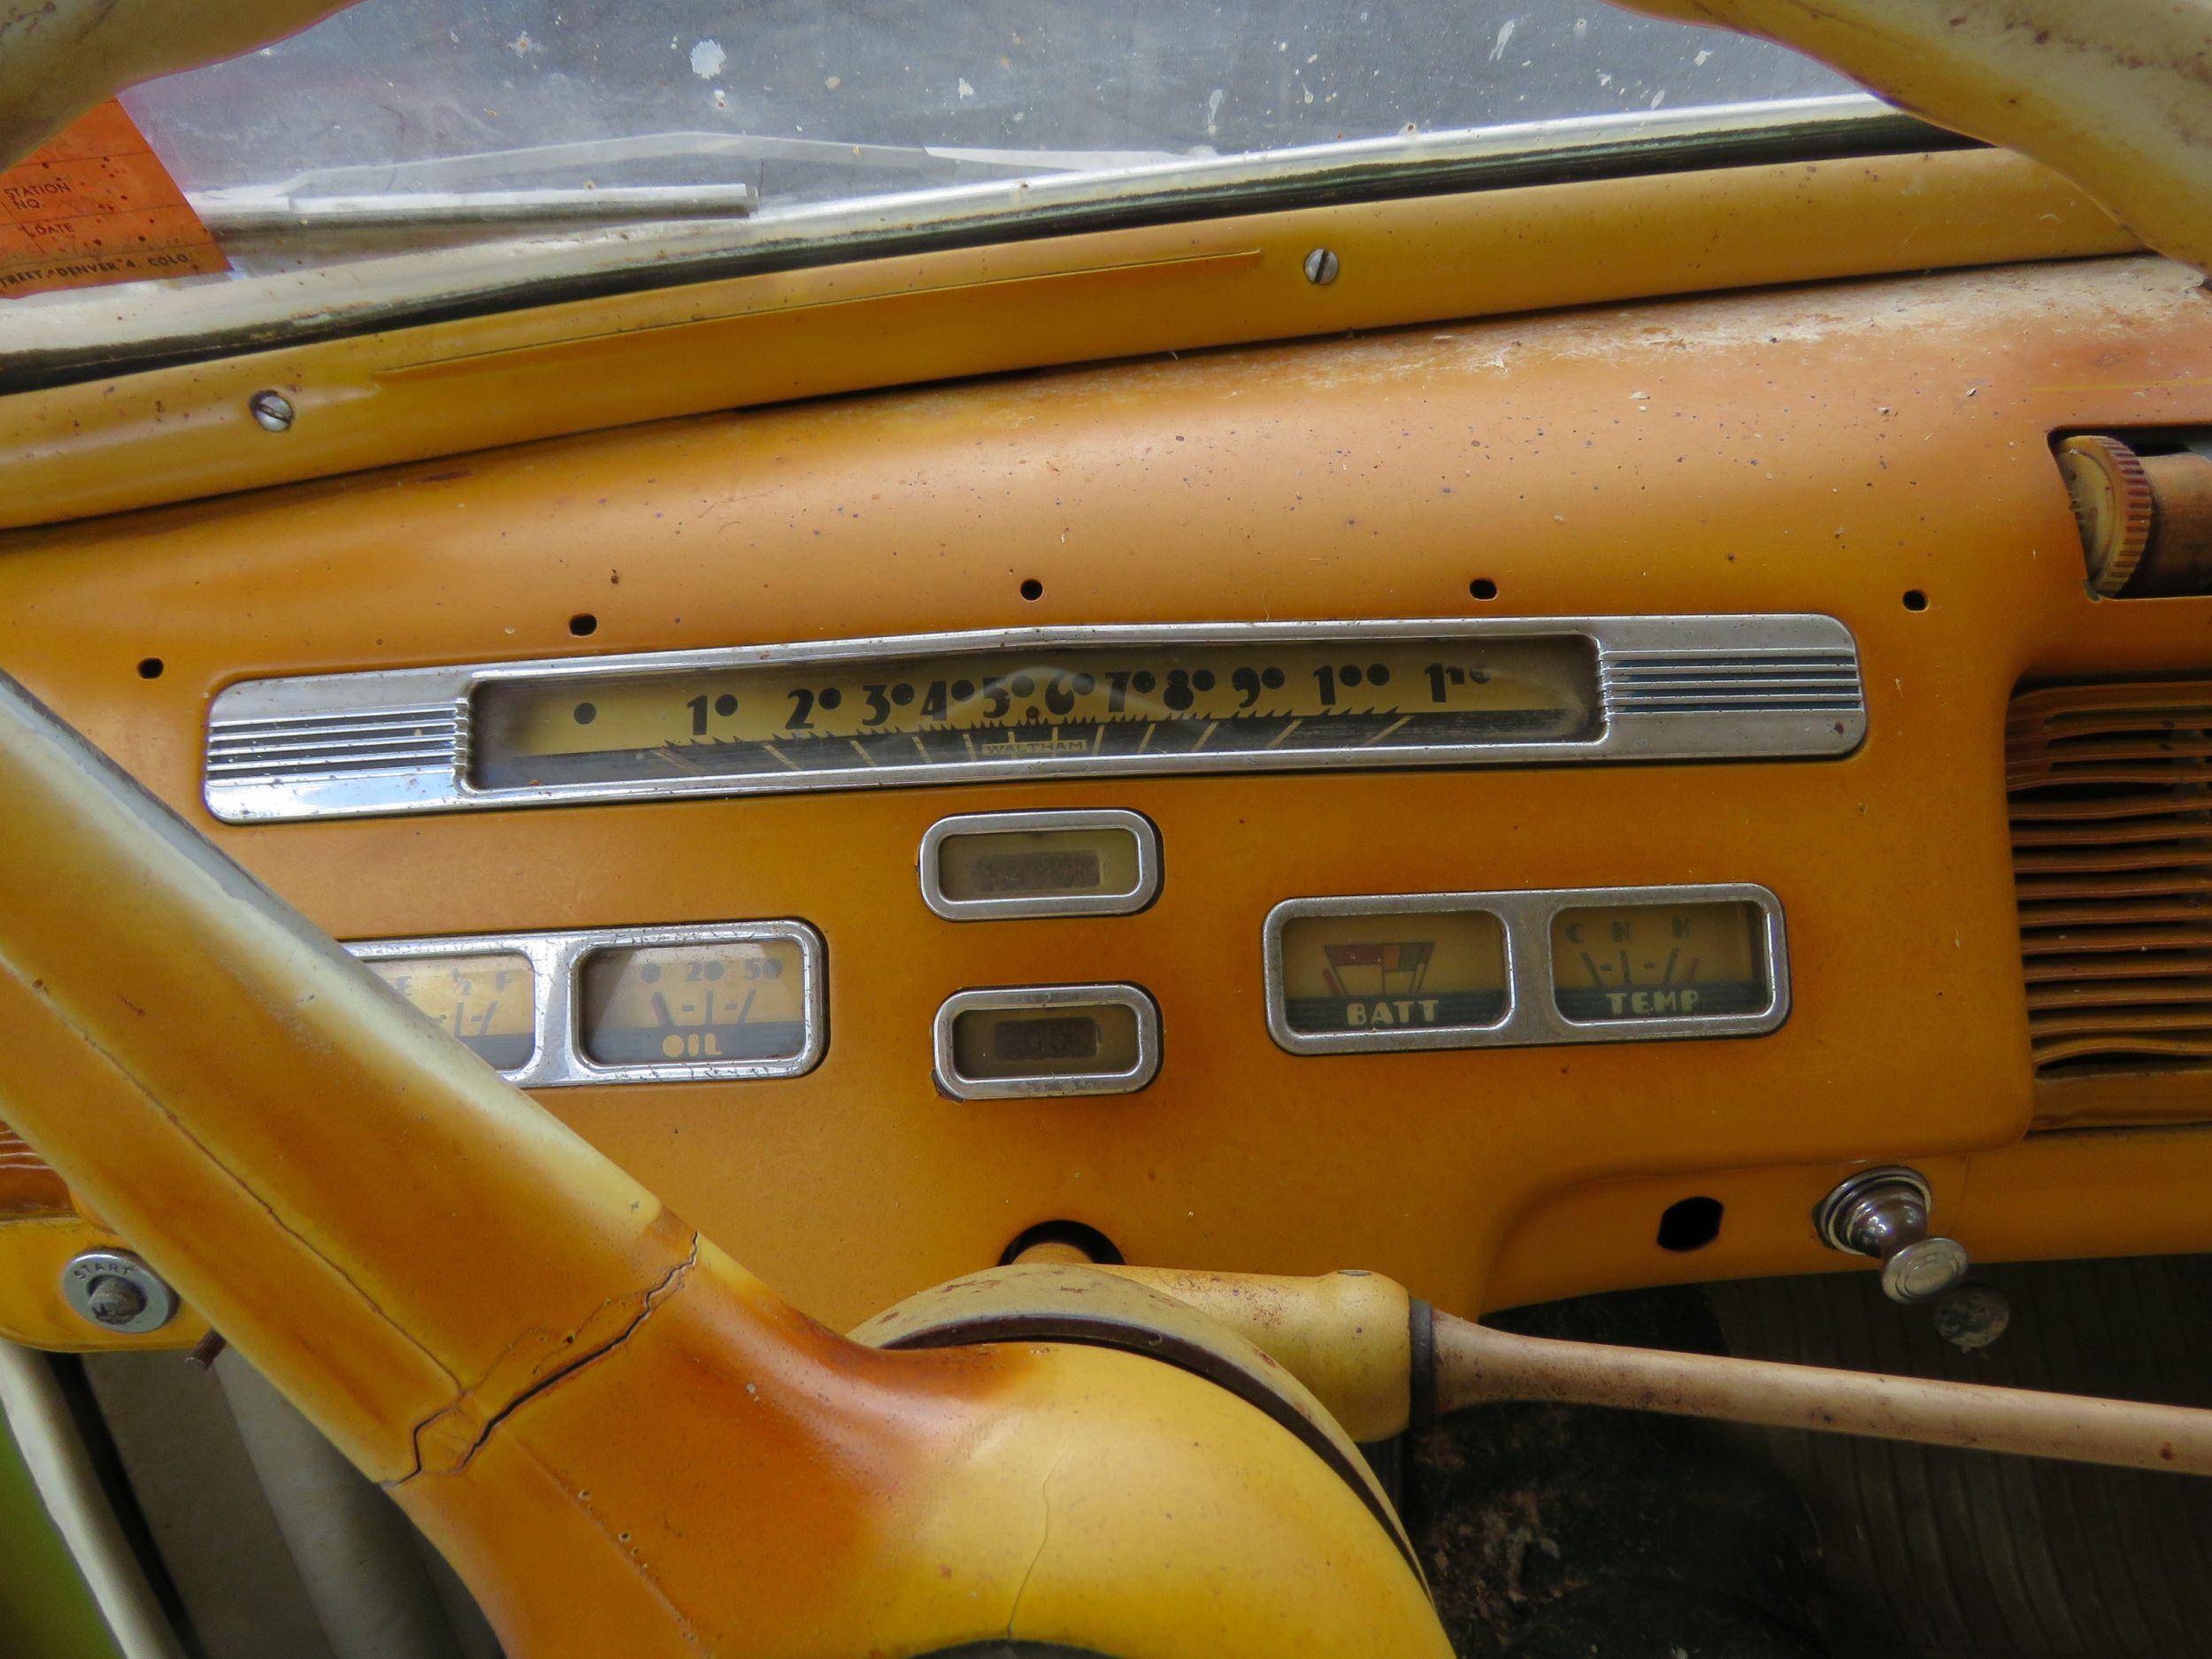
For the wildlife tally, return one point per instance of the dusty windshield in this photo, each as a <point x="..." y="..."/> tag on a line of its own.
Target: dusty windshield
<point x="865" y="95"/>
<point x="405" y="149"/>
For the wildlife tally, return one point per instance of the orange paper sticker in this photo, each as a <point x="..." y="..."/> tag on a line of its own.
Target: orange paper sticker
<point x="96" y="205"/>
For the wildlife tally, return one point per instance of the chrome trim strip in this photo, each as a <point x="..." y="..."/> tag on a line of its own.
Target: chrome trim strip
<point x="1140" y="828"/>
<point x="1678" y="687"/>
<point x="557" y="1059"/>
<point x="1531" y="1018"/>
<point x="1148" y="1062"/>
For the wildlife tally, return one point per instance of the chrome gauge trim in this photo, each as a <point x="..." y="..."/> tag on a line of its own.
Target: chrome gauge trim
<point x="1680" y="687"/>
<point x="950" y="1080"/>
<point x="1139" y="827"/>
<point x="556" y="960"/>
<point x="1531" y="1018"/>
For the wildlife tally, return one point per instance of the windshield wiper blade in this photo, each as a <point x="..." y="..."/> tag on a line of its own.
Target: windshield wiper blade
<point x="241" y="210"/>
<point x="443" y="190"/>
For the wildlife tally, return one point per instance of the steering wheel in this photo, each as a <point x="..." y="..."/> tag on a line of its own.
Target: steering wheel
<point x="623" y="1441"/>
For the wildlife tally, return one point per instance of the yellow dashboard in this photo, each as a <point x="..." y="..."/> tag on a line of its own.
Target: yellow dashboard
<point x="1378" y="965"/>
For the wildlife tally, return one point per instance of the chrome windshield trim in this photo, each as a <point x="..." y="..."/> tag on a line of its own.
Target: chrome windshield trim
<point x="1040" y="181"/>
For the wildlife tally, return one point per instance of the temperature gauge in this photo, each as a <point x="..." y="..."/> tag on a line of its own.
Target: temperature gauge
<point x="698" y="1004"/>
<point x="488" y="1000"/>
<point x="1660" y="960"/>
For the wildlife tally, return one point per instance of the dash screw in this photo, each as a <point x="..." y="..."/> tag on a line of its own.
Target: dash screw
<point x="272" y="410"/>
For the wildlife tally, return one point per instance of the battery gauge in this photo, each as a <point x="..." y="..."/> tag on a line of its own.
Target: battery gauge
<point x="1406" y="971"/>
<point x="488" y="1000"/>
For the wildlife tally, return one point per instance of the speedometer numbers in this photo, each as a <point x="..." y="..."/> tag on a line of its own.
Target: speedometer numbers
<point x="1143" y="704"/>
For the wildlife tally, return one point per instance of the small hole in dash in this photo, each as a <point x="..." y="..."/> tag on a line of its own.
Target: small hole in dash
<point x="1690" y="1224"/>
<point x="1914" y="600"/>
<point x="1062" y="1241"/>
<point x="151" y="667"/>
<point x="1483" y="587"/>
<point x="583" y="623"/>
<point x="1033" y="589"/>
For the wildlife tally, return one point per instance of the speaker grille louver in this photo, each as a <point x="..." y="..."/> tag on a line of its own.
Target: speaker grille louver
<point x="2111" y="798"/>
<point x="28" y="1185"/>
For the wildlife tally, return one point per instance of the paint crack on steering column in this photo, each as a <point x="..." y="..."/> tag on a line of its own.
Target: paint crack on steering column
<point x="1044" y="1542"/>
<point x="670" y="1283"/>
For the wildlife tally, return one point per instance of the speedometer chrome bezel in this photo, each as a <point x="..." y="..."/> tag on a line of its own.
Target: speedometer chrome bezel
<point x="1667" y="688"/>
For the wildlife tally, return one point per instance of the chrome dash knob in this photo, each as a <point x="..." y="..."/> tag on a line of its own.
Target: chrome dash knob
<point x="1884" y="1213"/>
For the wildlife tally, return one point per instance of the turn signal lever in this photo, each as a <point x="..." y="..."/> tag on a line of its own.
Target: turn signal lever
<point x="1884" y="1213"/>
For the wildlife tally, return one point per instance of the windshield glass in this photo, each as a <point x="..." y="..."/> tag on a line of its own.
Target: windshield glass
<point x="843" y="92"/>
<point x="413" y="153"/>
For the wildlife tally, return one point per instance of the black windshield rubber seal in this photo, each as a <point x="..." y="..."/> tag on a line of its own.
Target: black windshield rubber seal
<point x="1346" y="182"/>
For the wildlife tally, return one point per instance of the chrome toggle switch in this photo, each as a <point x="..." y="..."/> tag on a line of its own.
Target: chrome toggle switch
<point x="1884" y="1213"/>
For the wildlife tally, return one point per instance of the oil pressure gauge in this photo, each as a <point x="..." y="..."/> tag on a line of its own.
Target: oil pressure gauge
<point x="734" y="1000"/>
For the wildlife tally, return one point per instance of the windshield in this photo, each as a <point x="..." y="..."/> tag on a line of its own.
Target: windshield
<point x="1014" y="87"/>
<point x="474" y="146"/>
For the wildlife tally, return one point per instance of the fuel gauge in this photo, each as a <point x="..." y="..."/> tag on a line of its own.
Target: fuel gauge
<point x="488" y="1000"/>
